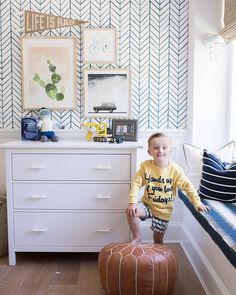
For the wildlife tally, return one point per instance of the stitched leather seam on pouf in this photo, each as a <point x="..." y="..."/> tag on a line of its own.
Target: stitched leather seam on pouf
<point x="148" y="269"/>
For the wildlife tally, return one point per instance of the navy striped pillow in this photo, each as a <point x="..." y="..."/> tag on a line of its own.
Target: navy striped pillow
<point x="218" y="179"/>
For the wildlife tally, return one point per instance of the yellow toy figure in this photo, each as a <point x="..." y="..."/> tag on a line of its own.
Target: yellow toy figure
<point x="101" y="129"/>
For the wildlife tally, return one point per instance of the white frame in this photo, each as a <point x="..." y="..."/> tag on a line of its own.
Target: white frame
<point x="232" y="93"/>
<point x="61" y="51"/>
<point x="100" y="45"/>
<point x="109" y="86"/>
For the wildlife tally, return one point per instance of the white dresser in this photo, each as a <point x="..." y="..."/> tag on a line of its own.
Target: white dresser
<point x="68" y="196"/>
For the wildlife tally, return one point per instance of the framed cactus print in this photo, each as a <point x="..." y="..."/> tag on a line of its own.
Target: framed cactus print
<point x="48" y="73"/>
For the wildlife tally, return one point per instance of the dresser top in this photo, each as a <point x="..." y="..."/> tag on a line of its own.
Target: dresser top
<point x="66" y="143"/>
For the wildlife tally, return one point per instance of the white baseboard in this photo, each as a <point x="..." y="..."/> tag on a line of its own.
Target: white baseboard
<point x="178" y="233"/>
<point x="172" y="235"/>
<point x="207" y="275"/>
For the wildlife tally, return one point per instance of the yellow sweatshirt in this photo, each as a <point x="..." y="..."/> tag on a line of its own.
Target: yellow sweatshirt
<point x="160" y="188"/>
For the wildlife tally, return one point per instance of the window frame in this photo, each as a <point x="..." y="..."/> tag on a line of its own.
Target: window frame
<point x="232" y="92"/>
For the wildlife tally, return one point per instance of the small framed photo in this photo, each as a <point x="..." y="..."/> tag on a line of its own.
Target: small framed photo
<point x="49" y="72"/>
<point x="100" y="46"/>
<point x="107" y="93"/>
<point x="127" y="128"/>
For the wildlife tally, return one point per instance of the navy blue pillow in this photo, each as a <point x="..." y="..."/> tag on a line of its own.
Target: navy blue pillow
<point x="218" y="179"/>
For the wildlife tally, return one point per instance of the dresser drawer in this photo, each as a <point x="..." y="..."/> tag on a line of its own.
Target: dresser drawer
<point x="71" y="167"/>
<point x="70" y="195"/>
<point x="69" y="229"/>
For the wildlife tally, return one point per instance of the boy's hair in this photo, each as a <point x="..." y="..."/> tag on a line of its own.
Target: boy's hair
<point x="156" y="135"/>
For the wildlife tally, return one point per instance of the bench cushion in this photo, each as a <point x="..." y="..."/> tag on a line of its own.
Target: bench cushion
<point x="219" y="223"/>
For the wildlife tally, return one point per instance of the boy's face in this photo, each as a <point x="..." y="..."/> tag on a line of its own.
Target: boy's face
<point x="160" y="149"/>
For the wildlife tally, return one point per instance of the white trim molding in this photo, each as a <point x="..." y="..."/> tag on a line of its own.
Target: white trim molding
<point x="172" y="235"/>
<point x="215" y="272"/>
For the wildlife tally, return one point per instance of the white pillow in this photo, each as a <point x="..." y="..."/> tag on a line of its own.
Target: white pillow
<point x="193" y="156"/>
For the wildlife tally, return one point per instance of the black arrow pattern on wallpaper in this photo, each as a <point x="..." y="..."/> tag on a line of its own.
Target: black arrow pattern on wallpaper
<point x="152" y="41"/>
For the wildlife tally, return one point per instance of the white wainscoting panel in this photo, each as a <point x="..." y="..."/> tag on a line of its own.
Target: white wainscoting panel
<point x="215" y="272"/>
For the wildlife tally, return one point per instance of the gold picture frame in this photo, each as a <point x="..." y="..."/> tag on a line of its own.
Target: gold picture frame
<point x="100" y="46"/>
<point x="48" y="73"/>
<point x="107" y="93"/>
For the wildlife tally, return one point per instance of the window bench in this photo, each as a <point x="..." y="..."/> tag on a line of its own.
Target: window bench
<point x="209" y="240"/>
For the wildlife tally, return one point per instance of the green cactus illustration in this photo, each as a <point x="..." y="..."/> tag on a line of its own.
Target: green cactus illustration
<point x="50" y="87"/>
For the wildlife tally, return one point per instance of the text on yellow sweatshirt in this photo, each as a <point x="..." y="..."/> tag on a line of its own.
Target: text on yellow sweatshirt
<point x="160" y="188"/>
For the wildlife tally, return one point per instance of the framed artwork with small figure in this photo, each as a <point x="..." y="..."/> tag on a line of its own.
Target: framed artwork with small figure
<point x="126" y="128"/>
<point x="107" y="93"/>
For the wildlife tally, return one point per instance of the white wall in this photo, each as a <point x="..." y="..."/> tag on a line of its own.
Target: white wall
<point x="208" y="80"/>
<point x="213" y="269"/>
<point x="232" y="118"/>
<point x="207" y="127"/>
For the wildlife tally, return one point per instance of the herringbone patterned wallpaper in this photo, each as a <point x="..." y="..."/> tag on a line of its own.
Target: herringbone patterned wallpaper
<point x="153" y="42"/>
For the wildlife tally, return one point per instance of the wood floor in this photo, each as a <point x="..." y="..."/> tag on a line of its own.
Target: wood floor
<point x="75" y="274"/>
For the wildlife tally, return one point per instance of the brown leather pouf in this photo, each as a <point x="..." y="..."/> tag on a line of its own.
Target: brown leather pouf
<point x="147" y="269"/>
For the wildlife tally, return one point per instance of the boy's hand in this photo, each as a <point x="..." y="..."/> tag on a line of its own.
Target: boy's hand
<point x="203" y="208"/>
<point x="131" y="209"/>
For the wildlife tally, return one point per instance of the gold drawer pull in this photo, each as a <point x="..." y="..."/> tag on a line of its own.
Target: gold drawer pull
<point x="103" y="167"/>
<point x="103" y="197"/>
<point x="38" y="197"/>
<point x="38" y="230"/>
<point x="36" y="167"/>
<point x="103" y="230"/>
